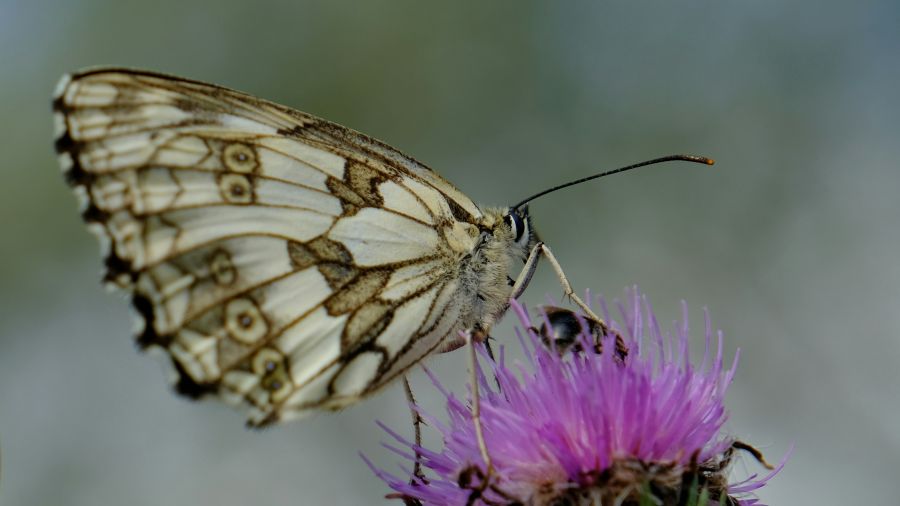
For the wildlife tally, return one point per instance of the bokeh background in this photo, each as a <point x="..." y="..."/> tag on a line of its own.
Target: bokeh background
<point x="791" y="240"/>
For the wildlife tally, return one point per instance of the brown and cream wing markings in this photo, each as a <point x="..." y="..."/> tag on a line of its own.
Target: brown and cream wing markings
<point x="283" y="262"/>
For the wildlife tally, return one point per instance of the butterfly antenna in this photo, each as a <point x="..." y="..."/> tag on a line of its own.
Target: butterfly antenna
<point x="671" y="158"/>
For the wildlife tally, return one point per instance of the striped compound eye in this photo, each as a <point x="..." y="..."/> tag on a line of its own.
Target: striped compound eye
<point x="517" y="224"/>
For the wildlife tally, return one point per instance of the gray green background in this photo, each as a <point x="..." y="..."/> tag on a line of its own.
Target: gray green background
<point x="791" y="240"/>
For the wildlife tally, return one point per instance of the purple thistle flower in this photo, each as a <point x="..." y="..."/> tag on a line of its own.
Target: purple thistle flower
<point x="587" y="427"/>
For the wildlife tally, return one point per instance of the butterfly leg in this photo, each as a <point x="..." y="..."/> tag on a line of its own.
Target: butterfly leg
<point x="527" y="273"/>
<point x="471" y="337"/>
<point x="567" y="287"/>
<point x="540" y="249"/>
<point x="417" y="427"/>
<point x="468" y="339"/>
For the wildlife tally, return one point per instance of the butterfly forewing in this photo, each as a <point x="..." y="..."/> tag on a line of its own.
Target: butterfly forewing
<point x="282" y="261"/>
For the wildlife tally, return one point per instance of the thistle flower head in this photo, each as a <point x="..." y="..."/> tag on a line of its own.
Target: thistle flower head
<point x="587" y="427"/>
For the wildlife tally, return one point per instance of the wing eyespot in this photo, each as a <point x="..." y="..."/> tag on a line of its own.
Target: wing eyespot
<point x="244" y="321"/>
<point x="271" y="367"/>
<point x="239" y="157"/>
<point x="221" y="268"/>
<point x="236" y="189"/>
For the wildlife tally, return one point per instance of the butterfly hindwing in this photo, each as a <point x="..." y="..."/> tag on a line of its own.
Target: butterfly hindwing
<point x="281" y="261"/>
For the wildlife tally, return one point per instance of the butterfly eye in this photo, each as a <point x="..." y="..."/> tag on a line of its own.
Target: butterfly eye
<point x="516" y="223"/>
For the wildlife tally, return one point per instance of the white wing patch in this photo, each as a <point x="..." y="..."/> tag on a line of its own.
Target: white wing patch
<point x="378" y="237"/>
<point x="356" y="375"/>
<point x="413" y="278"/>
<point x="410" y="314"/>
<point x="283" y="262"/>
<point x="282" y="156"/>
<point x="401" y="200"/>
<point x="444" y="322"/>
<point x="310" y="355"/>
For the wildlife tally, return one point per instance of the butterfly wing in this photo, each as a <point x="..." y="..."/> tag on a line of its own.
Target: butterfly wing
<point x="281" y="261"/>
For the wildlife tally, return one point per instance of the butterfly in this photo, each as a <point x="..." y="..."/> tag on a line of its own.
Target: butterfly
<point x="282" y="262"/>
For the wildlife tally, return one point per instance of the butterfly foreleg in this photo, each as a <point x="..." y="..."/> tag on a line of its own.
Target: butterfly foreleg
<point x="527" y="272"/>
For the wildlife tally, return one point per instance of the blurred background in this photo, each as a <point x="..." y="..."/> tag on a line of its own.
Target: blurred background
<point x="791" y="240"/>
